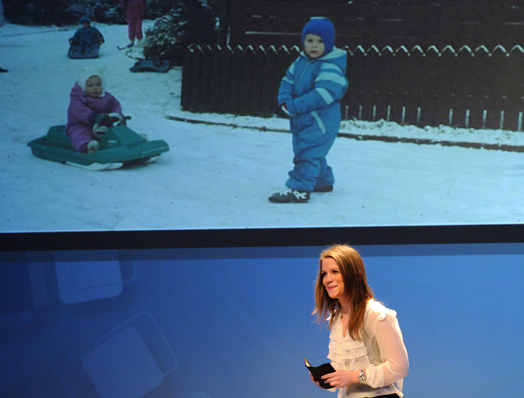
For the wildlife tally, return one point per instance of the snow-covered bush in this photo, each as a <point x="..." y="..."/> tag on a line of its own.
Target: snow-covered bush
<point x="66" y="12"/>
<point x="98" y="10"/>
<point x="187" y="22"/>
<point x="2" y="19"/>
<point x="158" y="8"/>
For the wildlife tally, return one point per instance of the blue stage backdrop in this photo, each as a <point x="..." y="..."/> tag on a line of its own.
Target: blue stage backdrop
<point x="236" y="322"/>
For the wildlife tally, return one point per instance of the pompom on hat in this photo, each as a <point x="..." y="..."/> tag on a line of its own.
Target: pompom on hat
<point x="322" y="27"/>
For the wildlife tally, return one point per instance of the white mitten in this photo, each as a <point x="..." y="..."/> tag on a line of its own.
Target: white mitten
<point x="99" y="131"/>
<point x="284" y="108"/>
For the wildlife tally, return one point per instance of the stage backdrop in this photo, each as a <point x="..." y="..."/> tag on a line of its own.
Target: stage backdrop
<point x="220" y="323"/>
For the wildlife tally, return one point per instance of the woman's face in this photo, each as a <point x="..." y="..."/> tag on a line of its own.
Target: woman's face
<point x="332" y="278"/>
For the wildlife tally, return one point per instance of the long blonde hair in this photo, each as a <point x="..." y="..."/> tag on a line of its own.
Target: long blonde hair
<point x="356" y="289"/>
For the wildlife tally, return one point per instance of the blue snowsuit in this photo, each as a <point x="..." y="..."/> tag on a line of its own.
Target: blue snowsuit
<point x="88" y="35"/>
<point x="85" y="43"/>
<point x="312" y="90"/>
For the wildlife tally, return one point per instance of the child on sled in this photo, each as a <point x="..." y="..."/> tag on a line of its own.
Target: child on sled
<point x="91" y="111"/>
<point x="86" y="41"/>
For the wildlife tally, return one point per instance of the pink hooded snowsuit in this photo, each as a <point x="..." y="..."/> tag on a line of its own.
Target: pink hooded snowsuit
<point x="134" y="15"/>
<point x="83" y="109"/>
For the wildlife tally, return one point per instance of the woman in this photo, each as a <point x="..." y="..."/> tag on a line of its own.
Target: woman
<point x="366" y="347"/>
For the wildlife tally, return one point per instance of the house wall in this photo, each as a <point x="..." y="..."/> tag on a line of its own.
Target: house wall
<point x="381" y="22"/>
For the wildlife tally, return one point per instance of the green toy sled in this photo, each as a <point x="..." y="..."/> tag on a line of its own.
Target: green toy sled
<point x="119" y="147"/>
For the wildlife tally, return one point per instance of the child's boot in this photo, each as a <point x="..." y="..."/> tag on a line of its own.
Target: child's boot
<point x="290" y="196"/>
<point x="92" y="147"/>
<point x="324" y="188"/>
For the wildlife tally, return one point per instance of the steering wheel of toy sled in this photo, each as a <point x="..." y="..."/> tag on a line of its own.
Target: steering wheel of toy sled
<point x="100" y="130"/>
<point x="119" y="119"/>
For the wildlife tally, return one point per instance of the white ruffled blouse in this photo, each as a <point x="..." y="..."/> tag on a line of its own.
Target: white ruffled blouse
<point x="382" y="354"/>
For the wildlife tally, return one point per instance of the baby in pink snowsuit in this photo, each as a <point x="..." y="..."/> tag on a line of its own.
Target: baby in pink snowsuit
<point x="91" y="111"/>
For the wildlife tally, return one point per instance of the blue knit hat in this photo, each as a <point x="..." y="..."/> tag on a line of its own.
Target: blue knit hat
<point x="324" y="28"/>
<point x="85" y="18"/>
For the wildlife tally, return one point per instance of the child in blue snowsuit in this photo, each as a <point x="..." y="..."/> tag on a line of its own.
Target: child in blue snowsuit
<point x="310" y="94"/>
<point x="86" y="37"/>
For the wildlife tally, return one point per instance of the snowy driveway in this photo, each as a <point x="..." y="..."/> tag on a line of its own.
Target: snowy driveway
<point x="219" y="176"/>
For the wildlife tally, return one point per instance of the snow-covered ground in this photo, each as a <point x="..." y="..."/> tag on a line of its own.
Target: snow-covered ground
<point x="220" y="175"/>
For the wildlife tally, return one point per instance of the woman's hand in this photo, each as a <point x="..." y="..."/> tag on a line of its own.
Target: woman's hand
<point x="341" y="378"/>
<point x="314" y="381"/>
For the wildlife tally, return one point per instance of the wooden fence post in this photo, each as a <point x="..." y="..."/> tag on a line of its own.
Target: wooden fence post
<point x="246" y="82"/>
<point x="462" y="90"/>
<point x="257" y="80"/>
<point x="515" y="91"/>
<point x="371" y="95"/>
<point x="387" y="88"/>
<point x="480" y="94"/>
<point x="401" y="65"/>
<point x="187" y="70"/>
<point x="226" y="81"/>
<point x="351" y="101"/>
<point x="270" y="82"/>
<point x="205" y="78"/>
<point x="235" y="94"/>
<point x="428" y="97"/>
<point x="414" y="81"/>
<point x="216" y="77"/>
<point x="497" y="90"/>
<point x="448" y="79"/>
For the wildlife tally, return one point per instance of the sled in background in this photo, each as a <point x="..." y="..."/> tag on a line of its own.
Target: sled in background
<point x="119" y="147"/>
<point x="151" y="65"/>
<point x="148" y="64"/>
<point x="83" y="51"/>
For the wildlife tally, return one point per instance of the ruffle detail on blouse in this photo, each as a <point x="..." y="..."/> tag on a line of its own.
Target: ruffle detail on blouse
<point x="346" y="352"/>
<point x="347" y="349"/>
<point x="380" y="310"/>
